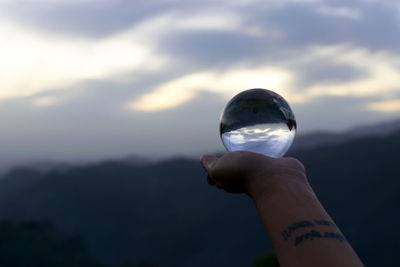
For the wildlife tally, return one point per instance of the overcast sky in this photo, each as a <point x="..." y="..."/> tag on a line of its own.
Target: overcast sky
<point x="83" y="79"/>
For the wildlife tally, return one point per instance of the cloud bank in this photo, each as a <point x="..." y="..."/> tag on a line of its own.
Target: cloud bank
<point x="94" y="76"/>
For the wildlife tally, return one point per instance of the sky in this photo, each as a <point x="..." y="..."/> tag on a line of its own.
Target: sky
<point x="90" y="79"/>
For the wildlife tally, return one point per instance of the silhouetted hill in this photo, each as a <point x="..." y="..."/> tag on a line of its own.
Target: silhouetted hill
<point x="36" y="244"/>
<point x="165" y="214"/>
<point x="161" y="213"/>
<point x="319" y="138"/>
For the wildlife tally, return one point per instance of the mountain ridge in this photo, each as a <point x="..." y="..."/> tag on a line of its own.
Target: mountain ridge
<point x="302" y="141"/>
<point x="165" y="214"/>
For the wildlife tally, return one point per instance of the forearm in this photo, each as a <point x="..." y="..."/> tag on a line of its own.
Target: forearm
<point x="300" y="230"/>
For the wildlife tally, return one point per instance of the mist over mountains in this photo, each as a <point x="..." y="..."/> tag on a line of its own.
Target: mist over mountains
<point x="164" y="213"/>
<point x="302" y="141"/>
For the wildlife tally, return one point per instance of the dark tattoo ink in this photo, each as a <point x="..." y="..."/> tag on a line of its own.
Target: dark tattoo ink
<point x="324" y="222"/>
<point x="307" y="236"/>
<point x="313" y="234"/>
<point x="288" y="231"/>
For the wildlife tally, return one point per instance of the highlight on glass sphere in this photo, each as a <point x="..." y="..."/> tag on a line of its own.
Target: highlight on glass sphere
<point x="258" y="120"/>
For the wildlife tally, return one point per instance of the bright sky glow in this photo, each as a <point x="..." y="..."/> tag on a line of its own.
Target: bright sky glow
<point x="386" y="106"/>
<point x="227" y="84"/>
<point x="44" y="101"/>
<point x="382" y="76"/>
<point x="33" y="62"/>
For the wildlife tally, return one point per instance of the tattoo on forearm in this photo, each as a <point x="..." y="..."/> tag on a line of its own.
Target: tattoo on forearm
<point x="315" y="234"/>
<point x="312" y="234"/>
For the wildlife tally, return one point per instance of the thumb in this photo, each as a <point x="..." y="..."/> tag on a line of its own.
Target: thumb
<point x="208" y="161"/>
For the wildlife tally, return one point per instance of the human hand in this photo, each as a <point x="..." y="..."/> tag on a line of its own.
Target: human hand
<point x="253" y="173"/>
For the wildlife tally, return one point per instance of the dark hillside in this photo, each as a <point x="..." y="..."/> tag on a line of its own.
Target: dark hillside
<point x="165" y="214"/>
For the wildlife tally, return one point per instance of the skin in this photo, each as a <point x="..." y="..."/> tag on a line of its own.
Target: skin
<point x="283" y="197"/>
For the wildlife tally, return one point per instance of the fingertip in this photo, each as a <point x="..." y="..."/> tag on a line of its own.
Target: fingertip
<point x="207" y="161"/>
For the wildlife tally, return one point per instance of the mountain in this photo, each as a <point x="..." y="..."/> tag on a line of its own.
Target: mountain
<point x="318" y="138"/>
<point x="164" y="213"/>
<point x="35" y="243"/>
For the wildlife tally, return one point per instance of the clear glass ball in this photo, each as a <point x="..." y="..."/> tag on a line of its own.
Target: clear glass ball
<point x="258" y="120"/>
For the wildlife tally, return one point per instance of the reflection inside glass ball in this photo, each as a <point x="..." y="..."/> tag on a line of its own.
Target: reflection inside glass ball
<point x="258" y="120"/>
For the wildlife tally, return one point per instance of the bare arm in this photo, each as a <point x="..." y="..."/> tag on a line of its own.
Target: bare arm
<point x="300" y="230"/>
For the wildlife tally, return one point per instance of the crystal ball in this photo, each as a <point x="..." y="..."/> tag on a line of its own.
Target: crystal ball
<point x="258" y="120"/>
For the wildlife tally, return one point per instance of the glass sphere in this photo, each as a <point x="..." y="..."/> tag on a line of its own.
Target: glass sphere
<point x="258" y="120"/>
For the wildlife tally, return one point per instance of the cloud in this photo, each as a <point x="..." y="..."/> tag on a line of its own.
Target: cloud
<point x="382" y="71"/>
<point x="227" y="84"/>
<point x="125" y="77"/>
<point x="381" y="76"/>
<point x="389" y="106"/>
<point x="373" y="25"/>
<point x="32" y="62"/>
<point x="339" y="11"/>
<point x="36" y="61"/>
<point x="45" y="101"/>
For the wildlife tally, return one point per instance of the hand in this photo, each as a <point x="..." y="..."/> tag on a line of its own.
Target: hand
<point x="252" y="173"/>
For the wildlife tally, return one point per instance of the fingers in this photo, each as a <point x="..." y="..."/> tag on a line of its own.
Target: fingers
<point x="234" y="188"/>
<point x="210" y="181"/>
<point x="244" y="172"/>
<point x="208" y="161"/>
<point x="210" y="165"/>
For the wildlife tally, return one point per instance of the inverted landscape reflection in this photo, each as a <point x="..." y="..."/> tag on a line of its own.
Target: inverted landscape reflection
<point x="272" y="139"/>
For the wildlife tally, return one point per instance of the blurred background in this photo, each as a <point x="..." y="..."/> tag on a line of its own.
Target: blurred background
<point x="106" y="106"/>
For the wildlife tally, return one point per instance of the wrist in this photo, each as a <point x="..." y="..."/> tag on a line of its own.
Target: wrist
<point x="292" y="184"/>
